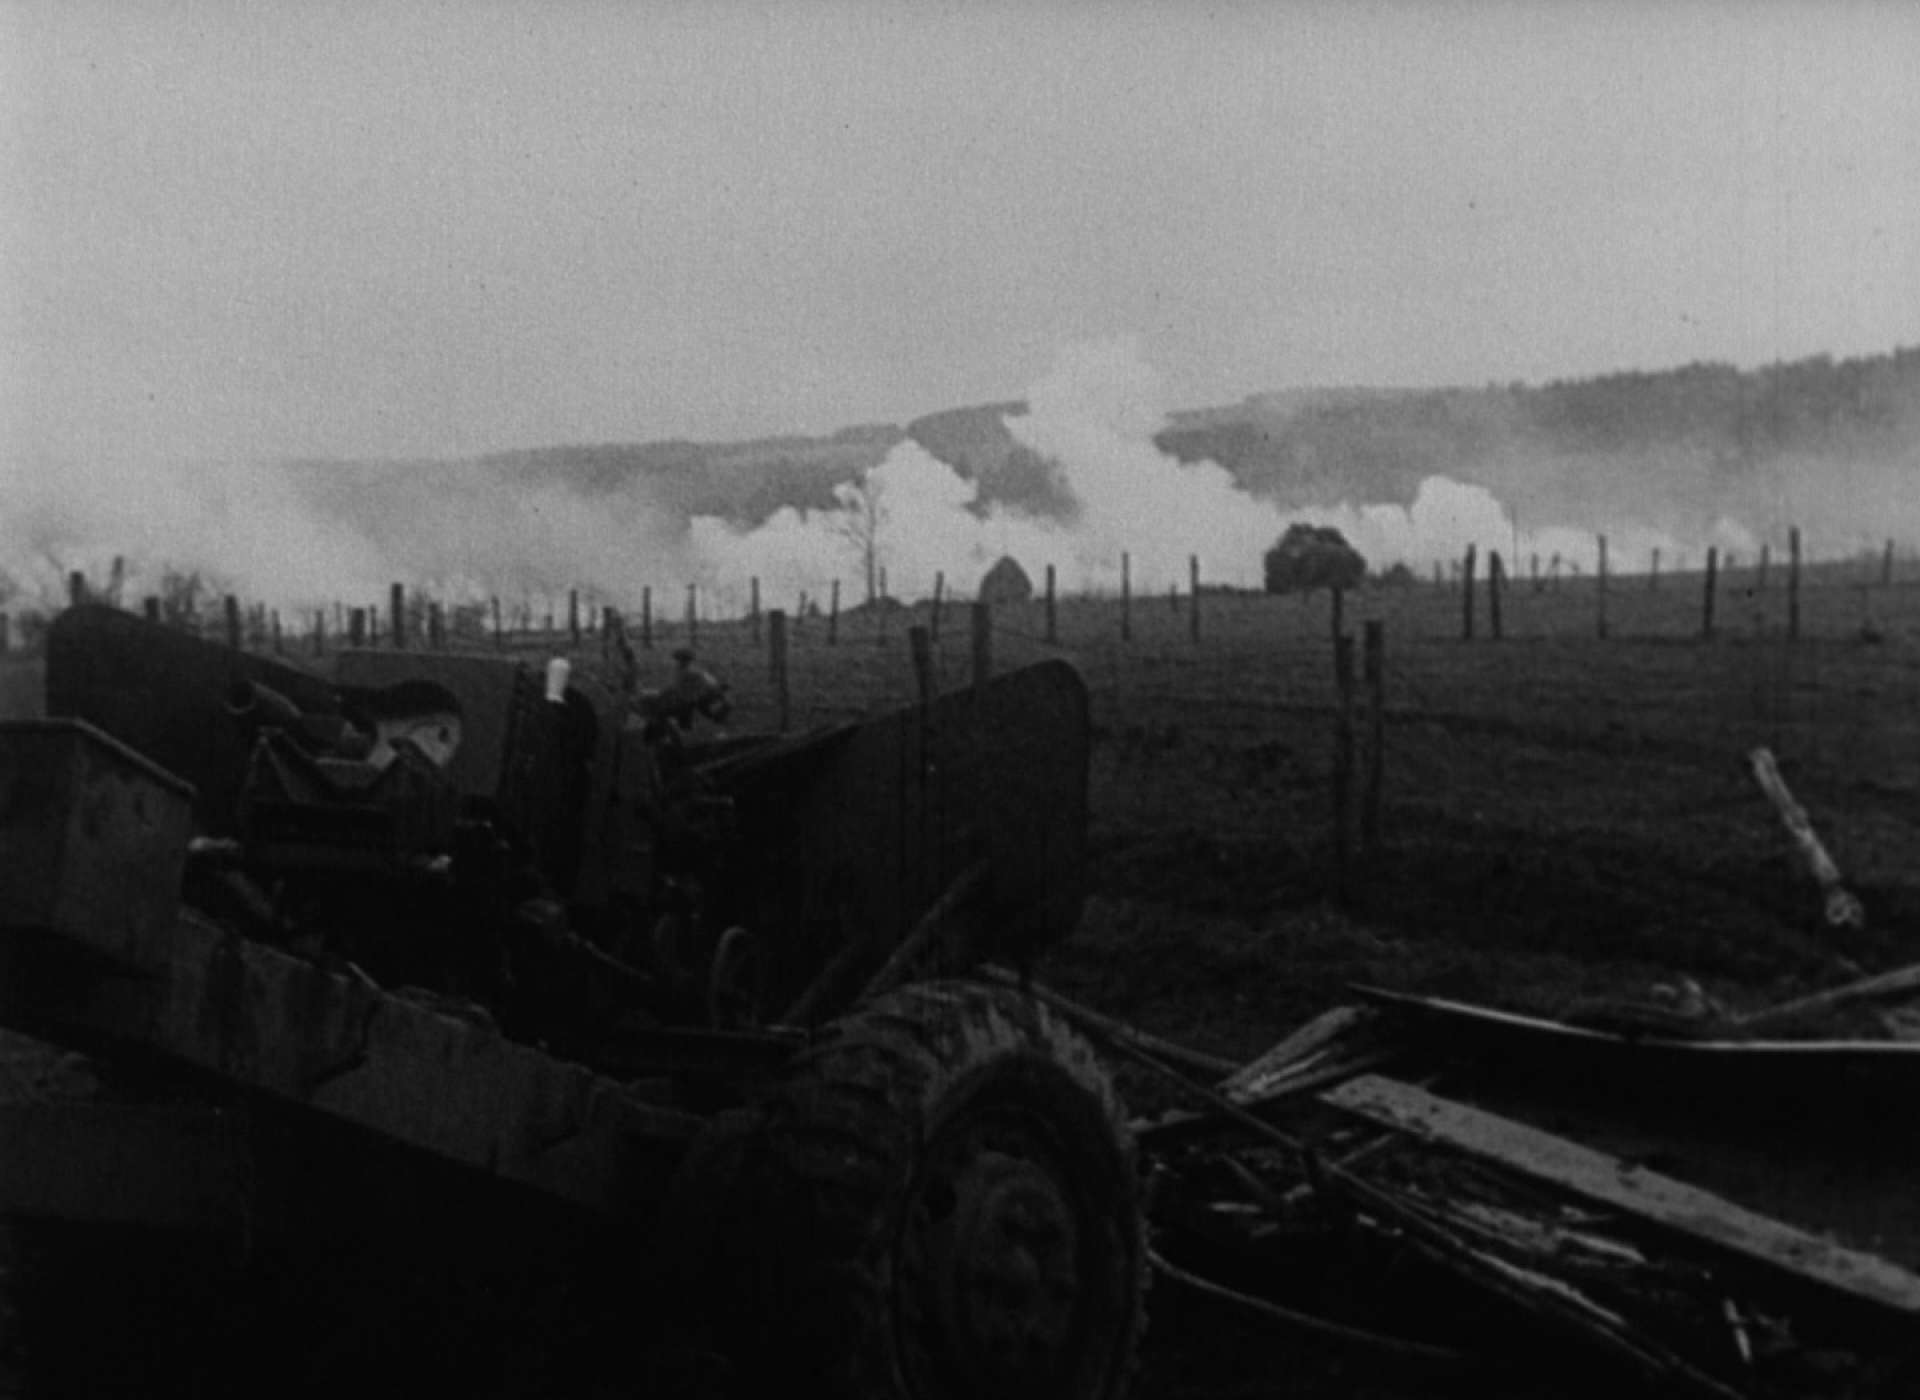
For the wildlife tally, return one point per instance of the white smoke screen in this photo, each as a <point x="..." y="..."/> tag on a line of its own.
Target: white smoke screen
<point x="1094" y="416"/>
<point x="307" y="537"/>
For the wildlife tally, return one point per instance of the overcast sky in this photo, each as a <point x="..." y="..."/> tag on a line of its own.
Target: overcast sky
<point x="398" y="228"/>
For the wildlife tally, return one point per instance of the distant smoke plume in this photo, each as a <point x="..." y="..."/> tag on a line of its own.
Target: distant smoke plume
<point x="308" y="536"/>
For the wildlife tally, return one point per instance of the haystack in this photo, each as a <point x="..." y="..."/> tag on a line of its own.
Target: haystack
<point x="1006" y="582"/>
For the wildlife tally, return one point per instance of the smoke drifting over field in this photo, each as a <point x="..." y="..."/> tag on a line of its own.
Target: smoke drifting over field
<point x="1094" y="417"/>
<point x="307" y="536"/>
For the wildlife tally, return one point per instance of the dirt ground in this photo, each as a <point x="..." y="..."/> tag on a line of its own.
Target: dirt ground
<point x="1563" y="817"/>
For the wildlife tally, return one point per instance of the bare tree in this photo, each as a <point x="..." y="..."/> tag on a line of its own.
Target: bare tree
<point x="862" y="522"/>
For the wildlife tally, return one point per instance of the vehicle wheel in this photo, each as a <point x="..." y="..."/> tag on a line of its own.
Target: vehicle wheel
<point x="945" y="1207"/>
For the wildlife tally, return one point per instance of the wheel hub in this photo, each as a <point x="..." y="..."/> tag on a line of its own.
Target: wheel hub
<point x="992" y="1253"/>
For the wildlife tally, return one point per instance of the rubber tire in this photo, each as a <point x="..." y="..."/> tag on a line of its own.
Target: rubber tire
<point x="845" y="1182"/>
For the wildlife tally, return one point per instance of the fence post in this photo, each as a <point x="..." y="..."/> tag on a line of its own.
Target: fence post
<point x="693" y="615"/>
<point x="646" y="618"/>
<point x="777" y="664"/>
<point x="1653" y="574"/>
<point x="1706" y="601"/>
<point x="1534" y="572"/>
<point x="982" y="645"/>
<point x="1496" y="585"/>
<point x="1053" y="634"/>
<point x="1793" y="584"/>
<point x="76" y="588"/>
<point x="233" y="622"/>
<point x="357" y="627"/>
<point x="1766" y="558"/>
<point x="1126" y="596"/>
<point x="1466" y="594"/>
<point x="920" y="644"/>
<point x="939" y="595"/>
<point x="1342" y="764"/>
<point x="1193" y="596"/>
<point x="1373" y="672"/>
<point x="1600" y="618"/>
<point x="753" y="605"/>
<point x="833" y="616"/>
<point x="150" y="608"/>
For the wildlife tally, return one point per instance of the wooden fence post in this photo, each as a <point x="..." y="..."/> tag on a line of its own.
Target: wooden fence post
<point x="1793" y="584"/>
<point x="777" y="665"/>
<point x="920" y="644"/>
<point x="357" y="627"/>
<point x="1600" y="616"/>
<point x="1193" y="597"/>
<point x="1373" y="672"/>
<point x="1126" y="596"/>
<point x="76" y="588"/>
<point x="1766" y="558"/>
<point x="833" y="616"/>
<point x="573" y="617"/>
<point x="1534" y="567"/>
<point x="397" y="609"/>
<point x="1466" y="595"/>
<point x="1053" y="633"/>
<point x="753" y="605"/>
<point x="939" y="596"/>
<point x="233" y="622"/>
<point x="982" y="645"/>
<point x="693" y="615"/>
<point x="1342" y="765"/>
<point x="1706" y="601"/>
<point x="1653" y="574"/>
<point x="646" y="618"/>
<point x="1496" y="585"/>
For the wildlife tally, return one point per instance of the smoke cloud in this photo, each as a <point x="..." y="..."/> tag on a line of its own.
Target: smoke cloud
<point x="306" y="537"/>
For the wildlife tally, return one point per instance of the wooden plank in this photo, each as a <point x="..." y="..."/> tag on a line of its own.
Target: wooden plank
<point x="1520" y="1033"/>
<point x="1658" y="1200"/>
<point x="1903" y="983"/>
<point x="1251" y="1080"/>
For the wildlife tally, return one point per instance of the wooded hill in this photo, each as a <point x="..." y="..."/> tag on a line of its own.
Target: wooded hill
<point x="1677" y="433"/>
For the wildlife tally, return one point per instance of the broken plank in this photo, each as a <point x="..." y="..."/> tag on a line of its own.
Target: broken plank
<point x="1251" y="1080"/>
<point x="1658" y="1200"/>
<point x="1901" y="983"/>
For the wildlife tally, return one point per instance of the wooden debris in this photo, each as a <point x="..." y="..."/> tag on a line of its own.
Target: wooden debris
<point x="1253" y="1079"/>
<point x="1672" y="1206"/>
<point x="1888" y="986"/>
<point x="1843" y="909"/>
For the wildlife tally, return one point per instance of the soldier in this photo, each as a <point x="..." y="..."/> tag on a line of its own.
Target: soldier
<point x="693" y="692"/>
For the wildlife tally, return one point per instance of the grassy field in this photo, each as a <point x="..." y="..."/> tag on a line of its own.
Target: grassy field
<point x="1564" y="817"/>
